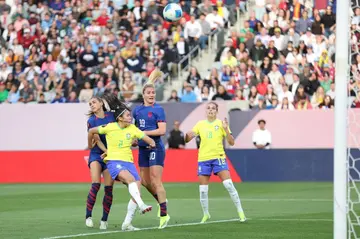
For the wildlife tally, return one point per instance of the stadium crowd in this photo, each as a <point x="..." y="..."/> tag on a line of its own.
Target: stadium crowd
<point x="282" y="58"/>
<point x="66" y="51"/>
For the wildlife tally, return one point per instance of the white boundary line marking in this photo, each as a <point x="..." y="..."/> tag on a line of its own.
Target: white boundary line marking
<point x="189" y="224"/>
<point x="242" y="199"/>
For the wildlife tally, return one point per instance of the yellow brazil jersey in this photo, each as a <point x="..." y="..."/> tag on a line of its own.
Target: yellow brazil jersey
<point x="119" y="141"/>
<point x="211" y="135"/>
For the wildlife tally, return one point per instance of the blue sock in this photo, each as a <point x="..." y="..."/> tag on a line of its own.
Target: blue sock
<point x="91" y="198"/>
<point x="107" y="202"/>
<point x="163" y="209"/>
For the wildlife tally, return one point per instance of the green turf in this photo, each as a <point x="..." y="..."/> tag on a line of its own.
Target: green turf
<point x="39" y="211"/>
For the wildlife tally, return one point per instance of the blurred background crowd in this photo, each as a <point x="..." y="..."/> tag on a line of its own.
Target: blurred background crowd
<point x="66" y="51"/>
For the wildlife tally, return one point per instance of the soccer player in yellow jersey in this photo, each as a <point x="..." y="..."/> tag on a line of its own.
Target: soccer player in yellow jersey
<point x="119" y="159"/>
<point x="212" y="158"/>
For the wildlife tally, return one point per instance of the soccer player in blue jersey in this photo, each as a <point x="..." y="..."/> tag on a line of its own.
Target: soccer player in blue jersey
<point x="150" y="118"/>
<point x="98" y="116"/>
<point x="119" y="158"/>
<point x="212" y="158"/>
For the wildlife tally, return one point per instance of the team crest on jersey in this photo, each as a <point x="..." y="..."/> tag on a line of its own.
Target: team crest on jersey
<point x="128" y="136"/>
<point x="216" y="127"/>
<point x="149" y="114"/>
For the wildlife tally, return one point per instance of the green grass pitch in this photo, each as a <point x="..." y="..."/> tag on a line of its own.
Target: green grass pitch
<point x="275" y="210"/>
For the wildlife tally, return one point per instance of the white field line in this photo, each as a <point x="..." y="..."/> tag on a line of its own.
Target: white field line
<point x="188" y="224"/>
<point x="225" y="198"/>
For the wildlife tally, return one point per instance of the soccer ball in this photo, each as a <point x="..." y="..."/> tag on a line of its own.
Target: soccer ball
<point x="172" y="12"/>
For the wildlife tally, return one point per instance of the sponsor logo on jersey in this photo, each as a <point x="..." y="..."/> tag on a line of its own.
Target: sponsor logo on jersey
<point x="128" y="136"/>
<point x="216" y="127"/>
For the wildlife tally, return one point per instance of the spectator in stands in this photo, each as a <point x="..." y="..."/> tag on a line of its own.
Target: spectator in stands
<point x="261" y="137"/>
<point x="189" y="94"/>
<point x="174" y="97"/>
<point x="3" y="92"/>
<point x="176" y="137"/>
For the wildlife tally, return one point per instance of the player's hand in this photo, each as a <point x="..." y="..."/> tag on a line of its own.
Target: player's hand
<point x="191" y="134"/>
<point x="104" y="155"/>
<point x="134" y="143"/>
<point x="225" y="124"/>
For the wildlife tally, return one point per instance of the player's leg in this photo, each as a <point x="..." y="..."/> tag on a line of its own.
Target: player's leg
<point x="95" y="173"/>
<point x="224" y="175"/>
<point x="126" y="176"/>
<point x="156" y="162"/>
<point x="204" y="172"/>
<point x="130" y="214"/>
<point x="108" y="197"/>
<point x="145" y="172"/>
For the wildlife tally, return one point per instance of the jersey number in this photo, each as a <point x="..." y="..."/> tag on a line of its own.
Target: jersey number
<point x="221" y="161"/>
<point x="142" y="123"/>
<point x="120" y="144"/>
<point x="209" y="135"/>
<point x="152" y="156"/>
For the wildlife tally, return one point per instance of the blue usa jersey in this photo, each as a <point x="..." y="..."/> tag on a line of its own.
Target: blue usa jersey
<point x="94" y="121"/>
<point x="147" y="118"/>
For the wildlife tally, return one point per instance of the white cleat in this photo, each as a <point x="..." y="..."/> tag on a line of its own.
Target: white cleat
<point x="89" y="222"/>
<point x="129" y="227"/>
<point x="103" y="225"/>
<point x="145" y="208"/>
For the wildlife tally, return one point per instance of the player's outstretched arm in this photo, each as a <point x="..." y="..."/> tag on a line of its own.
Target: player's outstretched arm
<point x="189" y="136"/>
<point x="229" y="138"/>
<point x="91" y="134"/>
<point x="149" y="141"/>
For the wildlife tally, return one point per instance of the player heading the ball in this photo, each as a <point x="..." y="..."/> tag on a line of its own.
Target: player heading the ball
<point x="119" y="158"/>
<point x="212" y="158"/>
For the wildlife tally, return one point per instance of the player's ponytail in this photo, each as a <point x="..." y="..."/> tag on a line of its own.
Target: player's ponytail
<point x="154" y="76"/>
<point x="113" y="104"/>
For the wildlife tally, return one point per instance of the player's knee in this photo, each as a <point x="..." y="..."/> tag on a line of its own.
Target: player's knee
<point x="228" y="184"/>
<point x="145" y="183"/>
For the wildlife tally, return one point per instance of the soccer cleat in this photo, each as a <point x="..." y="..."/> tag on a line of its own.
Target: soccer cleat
<point x="129" y="227"/>
<point x="158" y="214"/>
<point x="145" y="208"/>
<point x="89" y="222"/>
<point x="205" y="218"/>
<point x="103" y="225"/>
<point x="242" y="216"/>
<point x="164" y="221"/>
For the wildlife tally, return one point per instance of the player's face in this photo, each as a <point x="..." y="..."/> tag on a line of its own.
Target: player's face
<point x="211" y="110"/>
<point x="126" y="117"/>
<point x="149" y="95"/>
<point x="95" y="105"/>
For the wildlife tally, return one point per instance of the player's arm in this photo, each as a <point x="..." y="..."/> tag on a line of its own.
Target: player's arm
<point x="141" y="135"/>
<point x="189" y="136"/>
<point x="149" y="141"/>
<point x="91" y="136"/>
<point x="229" y="138"/>
<point x="160" y="131"/>
<point x="192" y="133"/>
<point x="161" y="123"/>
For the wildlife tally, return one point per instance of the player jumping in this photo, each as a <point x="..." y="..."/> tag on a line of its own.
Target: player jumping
<point x="97" y="117"/>
<point x="119" y="158"/>
<point x="150" y="118"/>
<point x="212" y="157"/>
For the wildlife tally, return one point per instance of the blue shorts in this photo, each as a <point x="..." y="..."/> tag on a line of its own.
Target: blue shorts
<point x="151" y="157"/>
<point x="205" y="168"/>
<point x="116" y="166"/>
<point x="101" y="162"/>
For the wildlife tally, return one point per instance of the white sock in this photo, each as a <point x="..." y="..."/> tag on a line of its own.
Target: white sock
<point x="204" y="198"/>
<point x="131" y="209"/>
<point x="228" y="184"/>
<point x="134" y="192"/>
